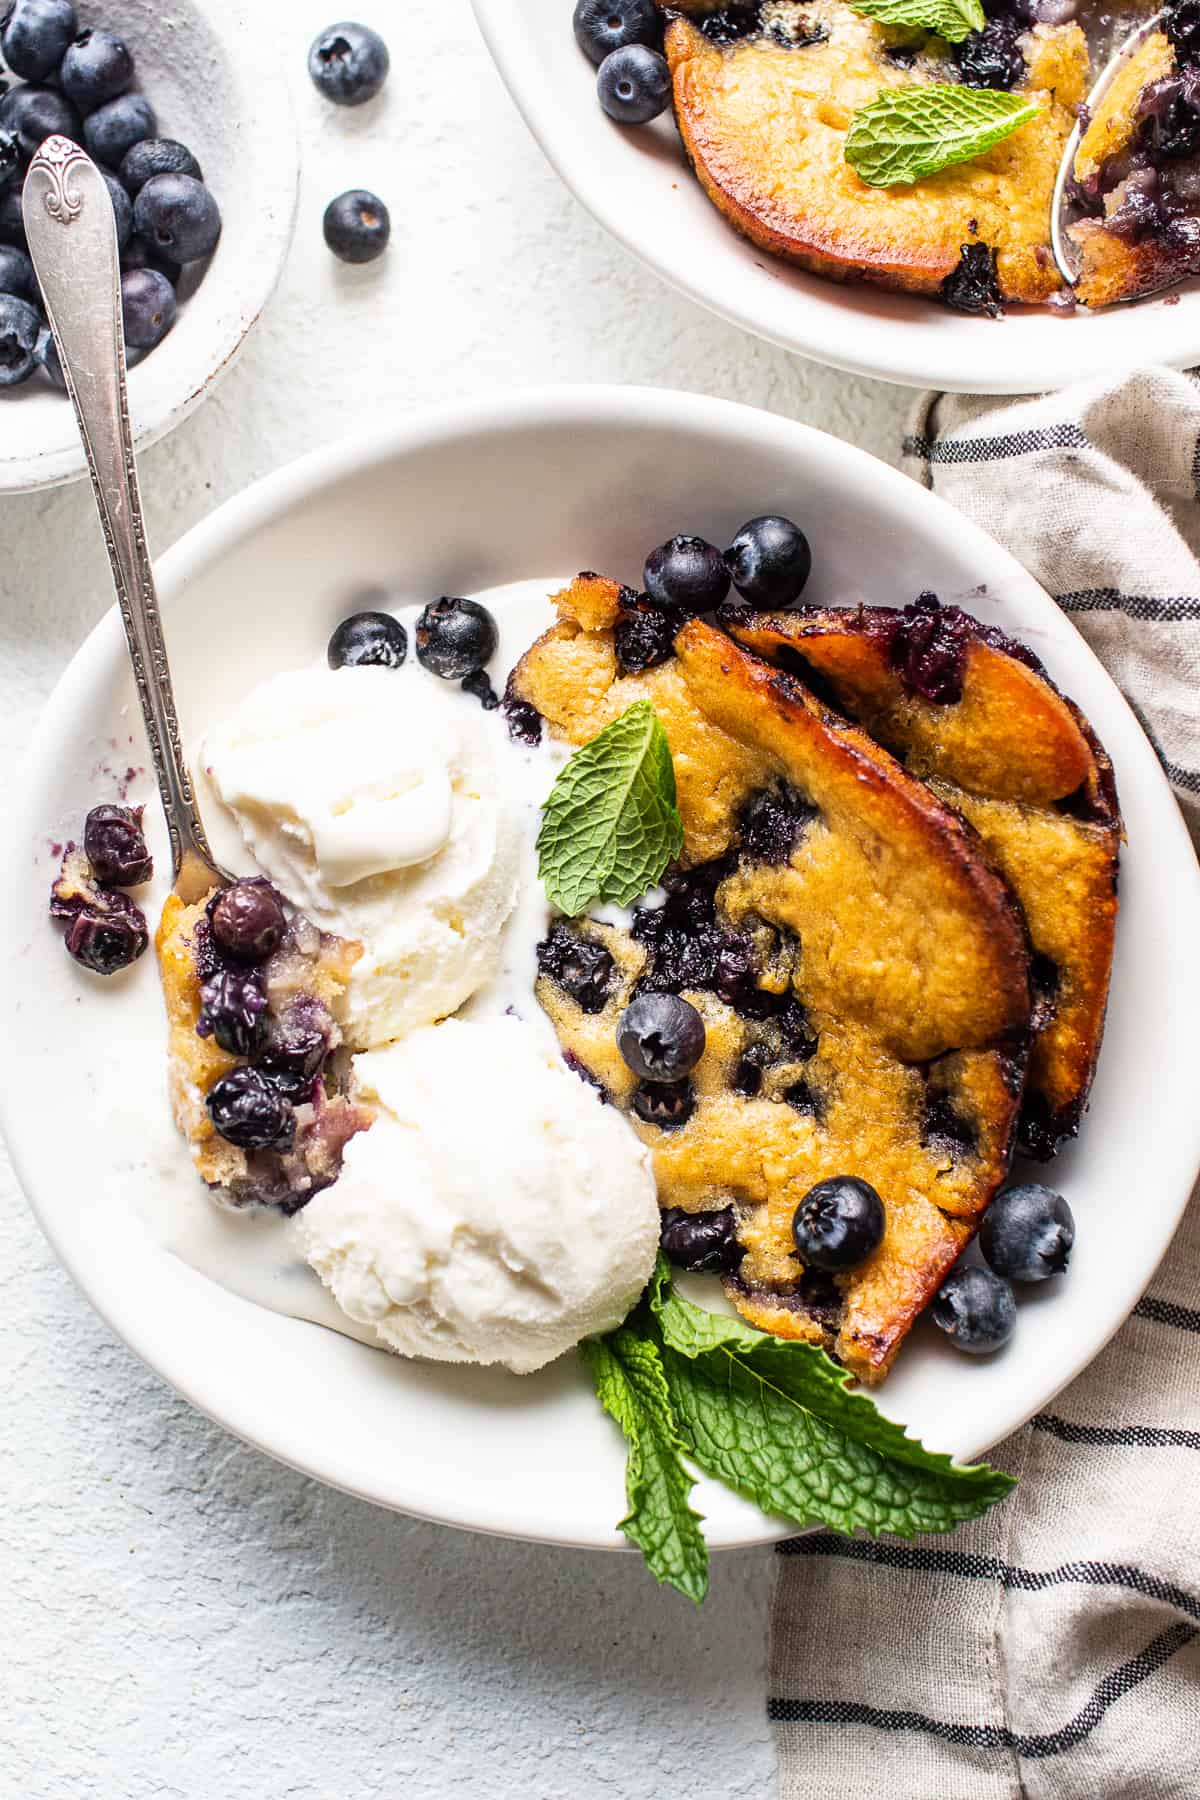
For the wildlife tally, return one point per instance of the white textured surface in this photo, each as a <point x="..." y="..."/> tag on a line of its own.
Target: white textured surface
<point x="182" y="1618"/>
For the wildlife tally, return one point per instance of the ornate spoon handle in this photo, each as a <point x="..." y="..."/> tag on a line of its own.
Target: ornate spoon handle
<point x="73" y="243"/>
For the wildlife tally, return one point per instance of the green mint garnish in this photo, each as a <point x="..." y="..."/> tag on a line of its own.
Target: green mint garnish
<point x="628" y="1373"/>
<point x="776" y="1420"/>
<point x="913" y="131"/>
<point x="949" y="19"/>
<point x="611" y="825"/>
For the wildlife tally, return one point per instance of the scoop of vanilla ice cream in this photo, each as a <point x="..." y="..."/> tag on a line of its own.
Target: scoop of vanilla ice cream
<point x="495" y="1212"/>
<point x="372" y="799"/>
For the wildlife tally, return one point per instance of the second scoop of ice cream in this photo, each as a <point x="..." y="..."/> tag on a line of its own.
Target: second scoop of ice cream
<point x="373" y="802"/>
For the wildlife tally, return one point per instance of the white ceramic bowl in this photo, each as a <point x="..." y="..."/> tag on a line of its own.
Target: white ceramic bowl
<point x="638" y="185"/>
<point x="455" y="501"/>
<point x="196" y="63"/>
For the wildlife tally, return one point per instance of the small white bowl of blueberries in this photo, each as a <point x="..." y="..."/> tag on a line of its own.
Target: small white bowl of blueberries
<point x="202" y="167"/>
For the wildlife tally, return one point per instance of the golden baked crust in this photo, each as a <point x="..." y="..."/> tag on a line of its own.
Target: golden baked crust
<point x="883" y="1029"/>
<point x="1021" y="764"/>
<point x="764" y="125"/>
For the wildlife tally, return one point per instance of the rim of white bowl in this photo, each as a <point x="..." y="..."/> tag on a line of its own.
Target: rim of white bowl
<point x="236" y="1409"/>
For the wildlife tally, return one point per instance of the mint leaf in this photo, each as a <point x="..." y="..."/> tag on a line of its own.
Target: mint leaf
<point x="950" y="19"/>
<point x="913" y="131"/>
<point x="777" y="1421"/>
<point x="628" y="1373"/>
<point x="611" y="825"/>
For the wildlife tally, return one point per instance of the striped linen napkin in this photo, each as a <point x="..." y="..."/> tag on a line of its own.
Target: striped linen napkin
<point x="1050" y="1651"/>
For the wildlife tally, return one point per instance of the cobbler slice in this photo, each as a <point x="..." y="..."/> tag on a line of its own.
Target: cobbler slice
<point x="861" y="970"/>
<point x="256" y="1086"/>
<point x="975" y="716"/>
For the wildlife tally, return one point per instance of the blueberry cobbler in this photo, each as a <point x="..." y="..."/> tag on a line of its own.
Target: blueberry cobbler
<point x="882" y="952"/>
<point x="917" y="146"/>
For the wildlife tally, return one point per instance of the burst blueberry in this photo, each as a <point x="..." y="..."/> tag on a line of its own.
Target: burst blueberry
<point x="179" y="215"/>
<point x="348" y="63"/>
<point x="667" y="1105"/>
<point x="233" y="1005"/>
<point x="839" y="1223"/>
<point x="247" y="1111"/>
<point x="368" y="638"/>
<point x="705" y="1242"/>
<point x="247" y="919"/>
<point x="357" y="226"/>
<point x="976" y="1310"/>
<point x="455" y="638"/>
<point x="687" y="575"/>
<point x="634" y="85"/>
<point x="602" y="26"/>
<point x="115" y="846"/>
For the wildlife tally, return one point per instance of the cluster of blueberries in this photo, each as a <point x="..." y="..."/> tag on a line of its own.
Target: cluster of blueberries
<point x="77" y="83"/>
<point x="455" y="639"/>
<point x="106" y="930"/>
<point x="349" y="64"/>
<point x="624" y="37"/>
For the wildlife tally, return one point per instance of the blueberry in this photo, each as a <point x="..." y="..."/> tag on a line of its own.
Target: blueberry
<point x="839" y="1223"/>
<point x="480" y="688"/>
<point x="122" y="208"/>
<point x="156" y="156"/>
<point x="96" y="67"/>
<point x="249" y="1112"/>
<point x="373" y="638"/>
<point x="667" y="1106"/>
<point x="706" y="1242"/>
<point x="644" y="634"/>
<point x="769" y="561"/>
<point x="19" y="327"/>
<point x="295" y="1046"/>
<point x="602" y="26"/>
<point x="50" y="362"/>
<point x="661" y="1037"/>
<point x="12" y="219"/>
<point x="1027" y="1233"/>
<point x="10" y="158"/>
<point x="233" y="1003"/>
<point x="108" y="939"/>
<point x="634" y="85"/>
<point x="16" y="275"/>
<point x="247" y="919"/>
<point x="148" y="307"/>
<point x="140" y="253"/>
<point x="35" y="36"/>
<point x="33" y="114"/>
<point x="975" y="1309"/>
<point x="348" y="63"/>
<point x="455" y="638"/>
<point x="357" y="226"/>
<point x="179" y="215"/>
<point x="687" y="575"/>
<point x="113" y="129"/>
<point x="582" y="968"/>
<point x="115" y="846"/>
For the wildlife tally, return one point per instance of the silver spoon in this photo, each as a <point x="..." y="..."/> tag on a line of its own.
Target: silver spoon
<point x="1065" y="254"/>
<point x="72" y="237"/>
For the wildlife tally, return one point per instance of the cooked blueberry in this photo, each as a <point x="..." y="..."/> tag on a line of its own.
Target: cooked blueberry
<point x="19" y="327"/>
<point x="178" y="213"/>
<point x="991" y="58"/>
<point x="524" y="721"/>
<point x="975" y="1309"/>
<point x="479" y="686"/>
<point x="156" y="156"/>
<point x="148" y="306"/>
<point x="769" y="561"/>
<point x="96" y="67"/>
<point x="1027" y="1233"/>
<point x="295" y="1046"/>
<point x="706" y="1242"/>
<point x="1181" y="23"/>
<point x="33" y="114"/>
<point x="580" y="966"/>
<point x="49" y="361"/>
<point x="114" y="128"/>
<point x="644" y="634"/>
<point x="12" y="219"/>
<point x="771" y="823"/>
<point x="634" y="84"/>
<point x="687" y="575"/>
<point x="974" y="285"/>
<point x="839" y="1223"/>
<point x="374" y="638"/>
<point x="16" y="274"/>
<point x="357" y="226"/>
<point x="668" y="1107"/>
<point x="122" y="208"/>
<point x="35" y="36"/>
<point x="109" y="937"/>
<point x="249" y="1112"/>
<point x="10" y="158"/>
<point x="247" y="919"/>
<point x="455" y="638"/>
<point x="661" y="1037"/>
<point x="602" y="26"/>
<point x="115" y="846"/>
<point x="233" y="1003"/>
<point x="348" y="63"/>
<point x="140" y="253"/>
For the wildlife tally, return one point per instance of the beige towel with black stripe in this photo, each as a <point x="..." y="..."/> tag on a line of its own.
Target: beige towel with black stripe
<point x="1050" y="1651"/>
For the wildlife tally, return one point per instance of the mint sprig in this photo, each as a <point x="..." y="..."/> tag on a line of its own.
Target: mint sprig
<point x="950" y="19"/>
<point x="611" y="824"/>
<point x="906" y="133"/>
<point x="628" y="1373"/>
